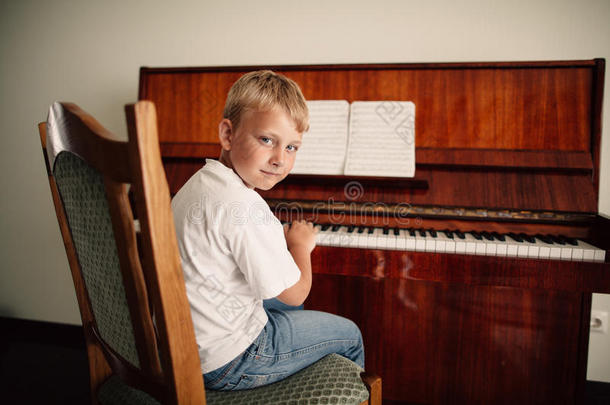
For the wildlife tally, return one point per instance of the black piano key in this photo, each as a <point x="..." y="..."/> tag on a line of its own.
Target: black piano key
<point x="371" y="229"/>
<point x="562" y="239"/>
<point x="544" y="238"/>
<point x="515" y="237"/>
<point x="351" y="228"/>
<point x="325" y="227"/>
<point x="335" y="228"/>
<point x="460" y="234"/>
<point x="422" y="232"/>
<point x="528" y="238"/>
<point x="476" y="235"/>
<point x="361" y="228"/>
<point x="448" y="233"/>
<point x="557" y="239"/>
<point x="396" y="231"/>
<point x="570" y="241"/>
<point x="487" y="235"/>
<point x="411" y="232"/>
<point x="498" y="236"/>
<point x="386" y="231"/>
<point x="432" y="233"/>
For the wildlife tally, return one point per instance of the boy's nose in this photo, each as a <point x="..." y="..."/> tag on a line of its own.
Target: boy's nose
<point x="277" y="159"/>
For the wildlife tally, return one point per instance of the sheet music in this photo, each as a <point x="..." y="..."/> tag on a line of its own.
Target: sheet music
<point x="324" y="145"/>
<point x="382" y="139"/>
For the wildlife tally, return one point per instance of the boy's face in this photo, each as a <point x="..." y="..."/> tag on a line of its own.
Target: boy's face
<point x="262" y="148"/>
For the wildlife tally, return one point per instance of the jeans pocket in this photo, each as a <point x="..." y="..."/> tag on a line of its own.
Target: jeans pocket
<point x="245" y="382"/>
<point x="258" y="345"/>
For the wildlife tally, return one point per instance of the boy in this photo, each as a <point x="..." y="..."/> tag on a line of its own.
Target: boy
<point x="235" y="253"/>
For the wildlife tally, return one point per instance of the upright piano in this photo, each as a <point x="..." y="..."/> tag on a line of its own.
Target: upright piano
<point x="472" y="281"/>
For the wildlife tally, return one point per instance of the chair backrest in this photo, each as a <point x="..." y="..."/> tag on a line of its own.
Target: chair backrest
<point x="129" y="282"/>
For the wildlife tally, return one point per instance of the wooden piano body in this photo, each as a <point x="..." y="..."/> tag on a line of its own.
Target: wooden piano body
<point x="506" y="147"/>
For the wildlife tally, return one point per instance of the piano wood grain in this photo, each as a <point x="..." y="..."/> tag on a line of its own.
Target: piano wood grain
<point x="447" y="343"/>
<point x="534" y="274"/>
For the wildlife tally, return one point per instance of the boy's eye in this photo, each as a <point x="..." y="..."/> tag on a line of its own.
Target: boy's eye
<point x="292" y="148"/>
<point x="266" y="140"/>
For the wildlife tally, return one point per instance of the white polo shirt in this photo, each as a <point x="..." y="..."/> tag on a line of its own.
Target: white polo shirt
<point x="234" y="255"/>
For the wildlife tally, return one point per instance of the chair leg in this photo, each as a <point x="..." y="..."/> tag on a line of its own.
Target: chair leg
<point x="373" y="384"/>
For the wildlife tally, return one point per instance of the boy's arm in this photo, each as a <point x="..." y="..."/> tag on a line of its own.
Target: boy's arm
<point x="301" y="240"/>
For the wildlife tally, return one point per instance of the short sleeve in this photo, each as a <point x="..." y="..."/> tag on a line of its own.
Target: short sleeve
<point x="259" y="248"/>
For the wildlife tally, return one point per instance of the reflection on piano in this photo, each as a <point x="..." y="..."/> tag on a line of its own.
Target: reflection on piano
<point x="471" y="282"/>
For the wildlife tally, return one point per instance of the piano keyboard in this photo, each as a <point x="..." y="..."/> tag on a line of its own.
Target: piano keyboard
<point x="551" y="247"/>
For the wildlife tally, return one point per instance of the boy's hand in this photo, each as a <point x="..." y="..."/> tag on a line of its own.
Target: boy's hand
<point x="300" y="235"/>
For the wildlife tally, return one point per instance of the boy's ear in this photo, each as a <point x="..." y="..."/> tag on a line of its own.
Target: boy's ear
<point x="225" y="134"/>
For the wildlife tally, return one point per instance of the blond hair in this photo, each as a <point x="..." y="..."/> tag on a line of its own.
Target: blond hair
<point x="262" y="90"/>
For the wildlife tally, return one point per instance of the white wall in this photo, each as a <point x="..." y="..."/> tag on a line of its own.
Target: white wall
<point x="89" y="52"/>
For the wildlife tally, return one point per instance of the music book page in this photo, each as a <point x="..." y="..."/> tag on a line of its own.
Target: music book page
<point x="324" y="145"/>
<point x="381" y="139"/>
<point x="366" y="138"/>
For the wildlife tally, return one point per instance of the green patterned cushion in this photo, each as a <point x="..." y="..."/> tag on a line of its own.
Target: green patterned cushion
<point x="82" y="191"/>
<point x="115" y="392"/>
<point x="332" y="380"/>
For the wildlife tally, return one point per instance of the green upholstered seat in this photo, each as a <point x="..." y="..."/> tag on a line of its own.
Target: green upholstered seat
<point x="332" y="380"/>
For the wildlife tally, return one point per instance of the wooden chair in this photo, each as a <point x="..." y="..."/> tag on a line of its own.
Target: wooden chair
<point x="129" y="284"/>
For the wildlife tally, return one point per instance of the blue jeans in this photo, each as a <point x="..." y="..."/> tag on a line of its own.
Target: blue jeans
<point x="291" y="340"/>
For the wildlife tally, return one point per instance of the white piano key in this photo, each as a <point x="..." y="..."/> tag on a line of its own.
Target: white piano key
<point x="507" y="247"/>
<point x="420" y="242"/>
<point x="345" y="238"/>
<point x="590" y="252"/>
<point x="348" y="237"/>
<point x="375" y="241"/>
<point x="411" y="242"/>
<point x="491" y="248"/>
<point x="577" y="255"/>
<point x="522" y="249"/>
<point x="545" y="252"/>
<point x="321" y="237"/>
<point x="401" y="240"/>
<point x="430" y="243"/>
<point x="440" y="245"/>
<point x="460" y="245"/>
<point x="450" y="246"/>
<point x="533" y="250"/>
<point x="390" y="240"/>
<point x="544" y="249"/>
<point x="363" y="239"/>
<point x="501" y="248"/>
<point x="479" y="246"/>
<point x="566" y="253"/>
<point x="471" y="244"/>
<point x="331" y="238"/>
<point x="555" y="252"/>
<point x="385" y="240"/>
<point x="512" y="248"/>
<point x="600" y="255"/>
<point x="588" y="255"/>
